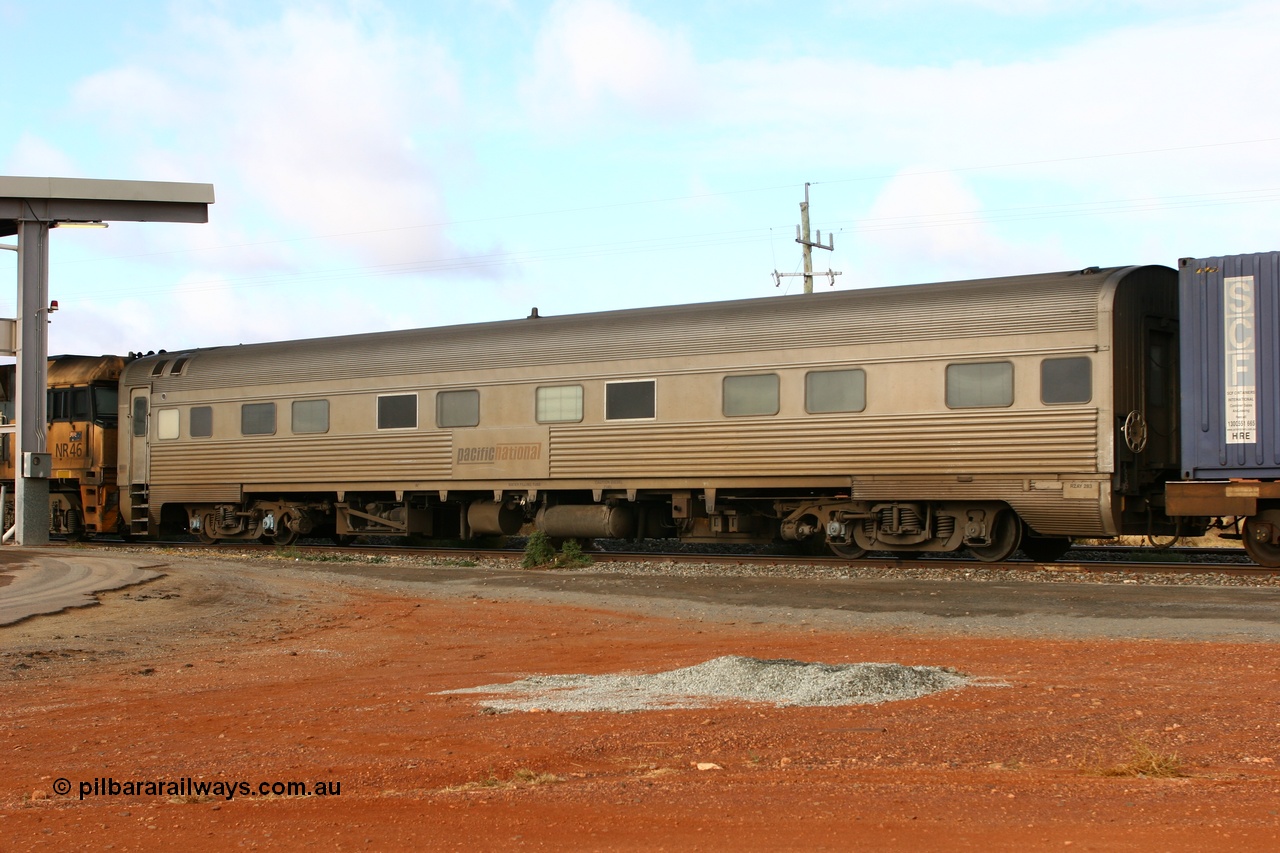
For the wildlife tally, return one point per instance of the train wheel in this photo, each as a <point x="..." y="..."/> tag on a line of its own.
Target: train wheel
<point x="1006" y="534"/>
<point x="75" y="526"/>
<point x="847" y="552"/>
<point x="1045" y="549"/>
<point x="1260" y="533"/>
<point x="284" y="536"/>
<point x="206" y="538"/>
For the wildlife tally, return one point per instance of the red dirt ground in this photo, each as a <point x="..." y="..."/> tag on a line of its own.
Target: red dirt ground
<point x="313" y="680"/>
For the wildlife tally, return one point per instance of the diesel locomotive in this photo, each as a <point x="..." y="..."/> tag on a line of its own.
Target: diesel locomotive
<point x="81" y="438"/>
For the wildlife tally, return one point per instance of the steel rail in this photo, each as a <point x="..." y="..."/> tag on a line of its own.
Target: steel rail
<point x="1083" y="560"/>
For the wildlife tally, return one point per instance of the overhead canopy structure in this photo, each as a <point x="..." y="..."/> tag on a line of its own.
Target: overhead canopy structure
<point x="52" y="200"/>
<point x="29" y="207"/>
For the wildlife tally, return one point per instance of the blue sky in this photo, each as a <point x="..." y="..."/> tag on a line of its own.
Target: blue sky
<point x="390" y="164"/>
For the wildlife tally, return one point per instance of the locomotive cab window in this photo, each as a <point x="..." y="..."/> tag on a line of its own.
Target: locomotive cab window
<point x="457" y="408"/>
<point x="398" y="411"/>
<point x="558" y="404"/>
<point x="258" y="419"/>
<point x="68" y="404"/>
<point x="750" y="395"/>
<point x="1066" y="380"/>
<point x="835" y="391"/>
<point x="106" y="402"/>
<point x="201" y="421"/>
<point x="983" y="385"/>
<point x="79" y="404"/>
<point x="166" y="424"/>
<point x="310" y="416"/>
<point x="630" y="401"/>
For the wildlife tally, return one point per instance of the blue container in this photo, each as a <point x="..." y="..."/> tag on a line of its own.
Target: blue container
<point x="1230" y="328"/>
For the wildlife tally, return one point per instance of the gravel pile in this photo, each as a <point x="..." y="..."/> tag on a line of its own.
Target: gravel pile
<point x="724" y="679"/>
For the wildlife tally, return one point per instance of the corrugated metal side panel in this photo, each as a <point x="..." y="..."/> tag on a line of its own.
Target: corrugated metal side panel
<point x="1060" y="440"/>
<point x="1206" y="452"/>
<point x="295" y="459"/>
<point x="206" y="493"/>
<point x="188" y="494"/>
<point x="1046" y="304"/>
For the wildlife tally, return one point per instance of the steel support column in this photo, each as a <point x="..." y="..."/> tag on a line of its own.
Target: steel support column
<point x="31" y="497"/>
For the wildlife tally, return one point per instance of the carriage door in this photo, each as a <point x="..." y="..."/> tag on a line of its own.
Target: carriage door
<point x="1161" y="392"/>
<point x="139" y="419"/>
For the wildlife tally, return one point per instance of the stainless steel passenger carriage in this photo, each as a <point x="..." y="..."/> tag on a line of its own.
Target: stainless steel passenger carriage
<point x="981" y="414"/>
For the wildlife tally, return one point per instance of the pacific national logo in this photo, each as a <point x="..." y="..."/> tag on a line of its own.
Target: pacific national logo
<point x="498" y="453"/>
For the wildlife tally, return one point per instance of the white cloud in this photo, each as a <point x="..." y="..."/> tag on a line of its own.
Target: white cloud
<point x="597" y="59"/>
<point x="33" y="155"/>
<point x="324" y="122"/>
<point x="1128" y="89"/>
<point x="931" y="225"/>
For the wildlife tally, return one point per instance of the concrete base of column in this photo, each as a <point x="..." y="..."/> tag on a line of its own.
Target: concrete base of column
<point x="32" y="506"/>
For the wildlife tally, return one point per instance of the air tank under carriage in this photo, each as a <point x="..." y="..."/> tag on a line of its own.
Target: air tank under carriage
<point x="985" y="414"/>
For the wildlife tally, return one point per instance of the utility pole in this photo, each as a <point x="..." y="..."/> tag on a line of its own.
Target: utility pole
<point x="802" y="237"/>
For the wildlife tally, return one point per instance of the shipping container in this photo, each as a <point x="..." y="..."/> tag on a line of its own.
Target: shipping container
<point x="1230" y="308"/>
<point x="1230" y="353"/>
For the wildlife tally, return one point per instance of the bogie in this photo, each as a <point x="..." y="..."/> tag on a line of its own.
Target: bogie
<point x="1262" y="538"/>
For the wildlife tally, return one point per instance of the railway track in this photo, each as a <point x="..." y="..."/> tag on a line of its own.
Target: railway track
<point x="1100" y="562"/>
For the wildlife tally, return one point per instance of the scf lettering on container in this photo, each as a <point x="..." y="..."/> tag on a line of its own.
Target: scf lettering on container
<point x="1239" y="330"/>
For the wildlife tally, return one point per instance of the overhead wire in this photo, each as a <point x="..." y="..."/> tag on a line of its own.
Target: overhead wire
<point x="481" y="260"/>
<point x="707" y="195"/>
<point x="496" y="260"/>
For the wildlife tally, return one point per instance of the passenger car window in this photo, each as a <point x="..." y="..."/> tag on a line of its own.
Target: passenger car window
<point x="201" y="421"/>
<point x="835" y="391"/>
<point x="558" y="404"/>
<point x="457" y="408"/>
<point x="1066" y="380"/>
<point x="750" y="395"/>
<point x="258" y="419"/>
<point x="310" y="416"/>
<point x="166" y="424"/>
<point x="984" y="385"/>
<point x="630" y="400"/>
<point x="398" y="411"/>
